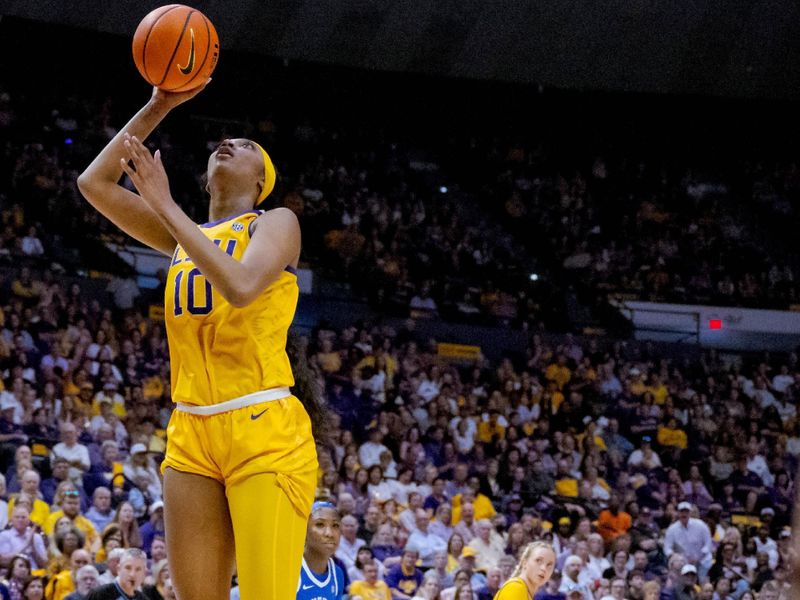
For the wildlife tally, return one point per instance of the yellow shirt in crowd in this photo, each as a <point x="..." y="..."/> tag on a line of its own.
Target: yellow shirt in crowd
<point x="379" y="591"/>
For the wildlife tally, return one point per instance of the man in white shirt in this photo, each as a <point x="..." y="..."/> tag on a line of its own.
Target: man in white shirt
<point x="427" y="543"/>
<point x="572" y="577"/>
<point x="77" y="455"/>
<point x="644" y="456"/>
<point x="782" y="380"/>
<point x="349" y="543"/>
<point x="486" y="550"/>
<point x="370" y="452"/>
<point x="690" y="537"/>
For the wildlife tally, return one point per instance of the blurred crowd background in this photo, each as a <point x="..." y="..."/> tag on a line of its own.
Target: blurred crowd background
<point x="656" y="472"/>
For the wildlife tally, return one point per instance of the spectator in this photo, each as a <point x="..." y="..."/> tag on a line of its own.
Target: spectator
<point x="70" y="508"/>
<point x="404" y="579"/>
<point x="365" y="556"/>
<point x="371" y="587"/>
<point x="493" y="581"/>
<point x="487" y="550"/>
<point x="691" y="537"/>
<point x="19" y="571"/>
<point x="40" y="511"/>
<point x="113" y="557"/>
<point x="158" y="590"/>
<point x="86" y="579"/>
<point x="426" y="542"/>
<point x="612" y="521"/>
<point x="100" y="512"/>
<point x="369" y="453"/>
<point x="76" y="455"/>
<point x="125" y="518"/>
<point x="349" y="543"/>
<point x="686" y="587"/>
<point x="141" y="472"/>
<point x="154" y="527"/>
<point x="22" y="538"/>
<point x="65" y="582"/>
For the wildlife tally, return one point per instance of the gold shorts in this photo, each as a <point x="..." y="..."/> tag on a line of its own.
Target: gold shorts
<point x="270" y="437"/>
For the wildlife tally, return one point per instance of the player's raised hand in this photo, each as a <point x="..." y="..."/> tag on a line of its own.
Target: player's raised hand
<point x="146" y="172"/>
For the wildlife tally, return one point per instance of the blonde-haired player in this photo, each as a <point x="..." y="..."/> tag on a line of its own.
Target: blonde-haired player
<point x="240" y="467"/>
<point x="533" y="570"/>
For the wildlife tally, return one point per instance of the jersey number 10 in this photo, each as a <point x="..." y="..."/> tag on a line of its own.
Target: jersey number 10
<point x="189" y="277"/>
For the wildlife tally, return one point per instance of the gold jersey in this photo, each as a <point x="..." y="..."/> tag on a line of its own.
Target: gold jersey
<point x="219" y="352"/>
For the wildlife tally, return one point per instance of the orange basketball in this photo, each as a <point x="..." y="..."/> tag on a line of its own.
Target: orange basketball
<point x="176" y="48"/>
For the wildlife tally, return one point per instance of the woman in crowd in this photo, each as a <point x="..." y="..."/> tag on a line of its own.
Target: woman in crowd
<point x="128" y="526"/>
<point x="19" y="570"/>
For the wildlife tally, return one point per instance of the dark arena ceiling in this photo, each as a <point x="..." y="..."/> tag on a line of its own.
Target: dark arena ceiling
<point x="718" y="47"/>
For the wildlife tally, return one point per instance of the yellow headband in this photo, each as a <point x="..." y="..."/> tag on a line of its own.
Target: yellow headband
<point x="269" y="176"/>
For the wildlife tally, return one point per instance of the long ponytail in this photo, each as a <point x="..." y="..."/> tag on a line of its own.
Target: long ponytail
<point x="307" y="389"/>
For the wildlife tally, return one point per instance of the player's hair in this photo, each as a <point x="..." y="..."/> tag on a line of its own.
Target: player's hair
<point x="526" y="554"/>
<point x="308" y="390"/>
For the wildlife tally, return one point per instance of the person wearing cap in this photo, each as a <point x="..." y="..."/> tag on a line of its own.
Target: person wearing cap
<point x="140" y="471"/>
<point x="686" y="586"/>
<point x="405" y="578"/>
<point x="154" y="526"/>
<point x="764" y="543"/>
<point x="231" y="296"/>
<point x="11" y="434"/>
<point x="692" y="538"/>
<point x="644" y="457"/>
<point x="572" y="576"/>
<point x="109" y="393"/>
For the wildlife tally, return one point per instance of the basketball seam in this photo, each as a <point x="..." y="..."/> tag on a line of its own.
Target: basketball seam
<point x="147" y="37"/>
<point x="177" y="45"/>
<point x="205" y="57"/>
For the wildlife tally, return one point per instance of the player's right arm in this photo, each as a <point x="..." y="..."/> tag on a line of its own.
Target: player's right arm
<point x="99" y="183"/>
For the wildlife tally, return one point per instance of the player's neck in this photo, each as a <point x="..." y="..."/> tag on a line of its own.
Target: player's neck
<point x="223" y="206"/>
<point x="316" y="561"/>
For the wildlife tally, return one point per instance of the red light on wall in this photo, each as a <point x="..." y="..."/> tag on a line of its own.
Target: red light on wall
<point x="715" y="323"/>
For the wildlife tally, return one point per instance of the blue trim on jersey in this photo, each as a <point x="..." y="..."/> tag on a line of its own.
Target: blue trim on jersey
<point x="291" y="269"/>
<point x="222" y="220"/>
<point x="312" y="587"/>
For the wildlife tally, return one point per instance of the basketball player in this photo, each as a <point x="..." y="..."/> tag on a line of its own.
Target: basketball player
<point x="241" y="462"/>
<point x="533" y="570"/>
<point x="321" y="578"/>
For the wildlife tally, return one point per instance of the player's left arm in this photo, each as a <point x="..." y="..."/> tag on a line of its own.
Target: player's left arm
<point x="275" y="243"/>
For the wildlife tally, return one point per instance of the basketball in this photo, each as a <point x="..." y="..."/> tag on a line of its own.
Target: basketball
<point x="176" y="48"/>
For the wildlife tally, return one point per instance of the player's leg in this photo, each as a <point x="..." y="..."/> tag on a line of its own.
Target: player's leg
<point x="270" y="536"/>
<point x="199" y="536"/>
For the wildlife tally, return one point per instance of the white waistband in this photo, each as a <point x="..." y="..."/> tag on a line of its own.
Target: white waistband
<point x="240" y="402"/>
